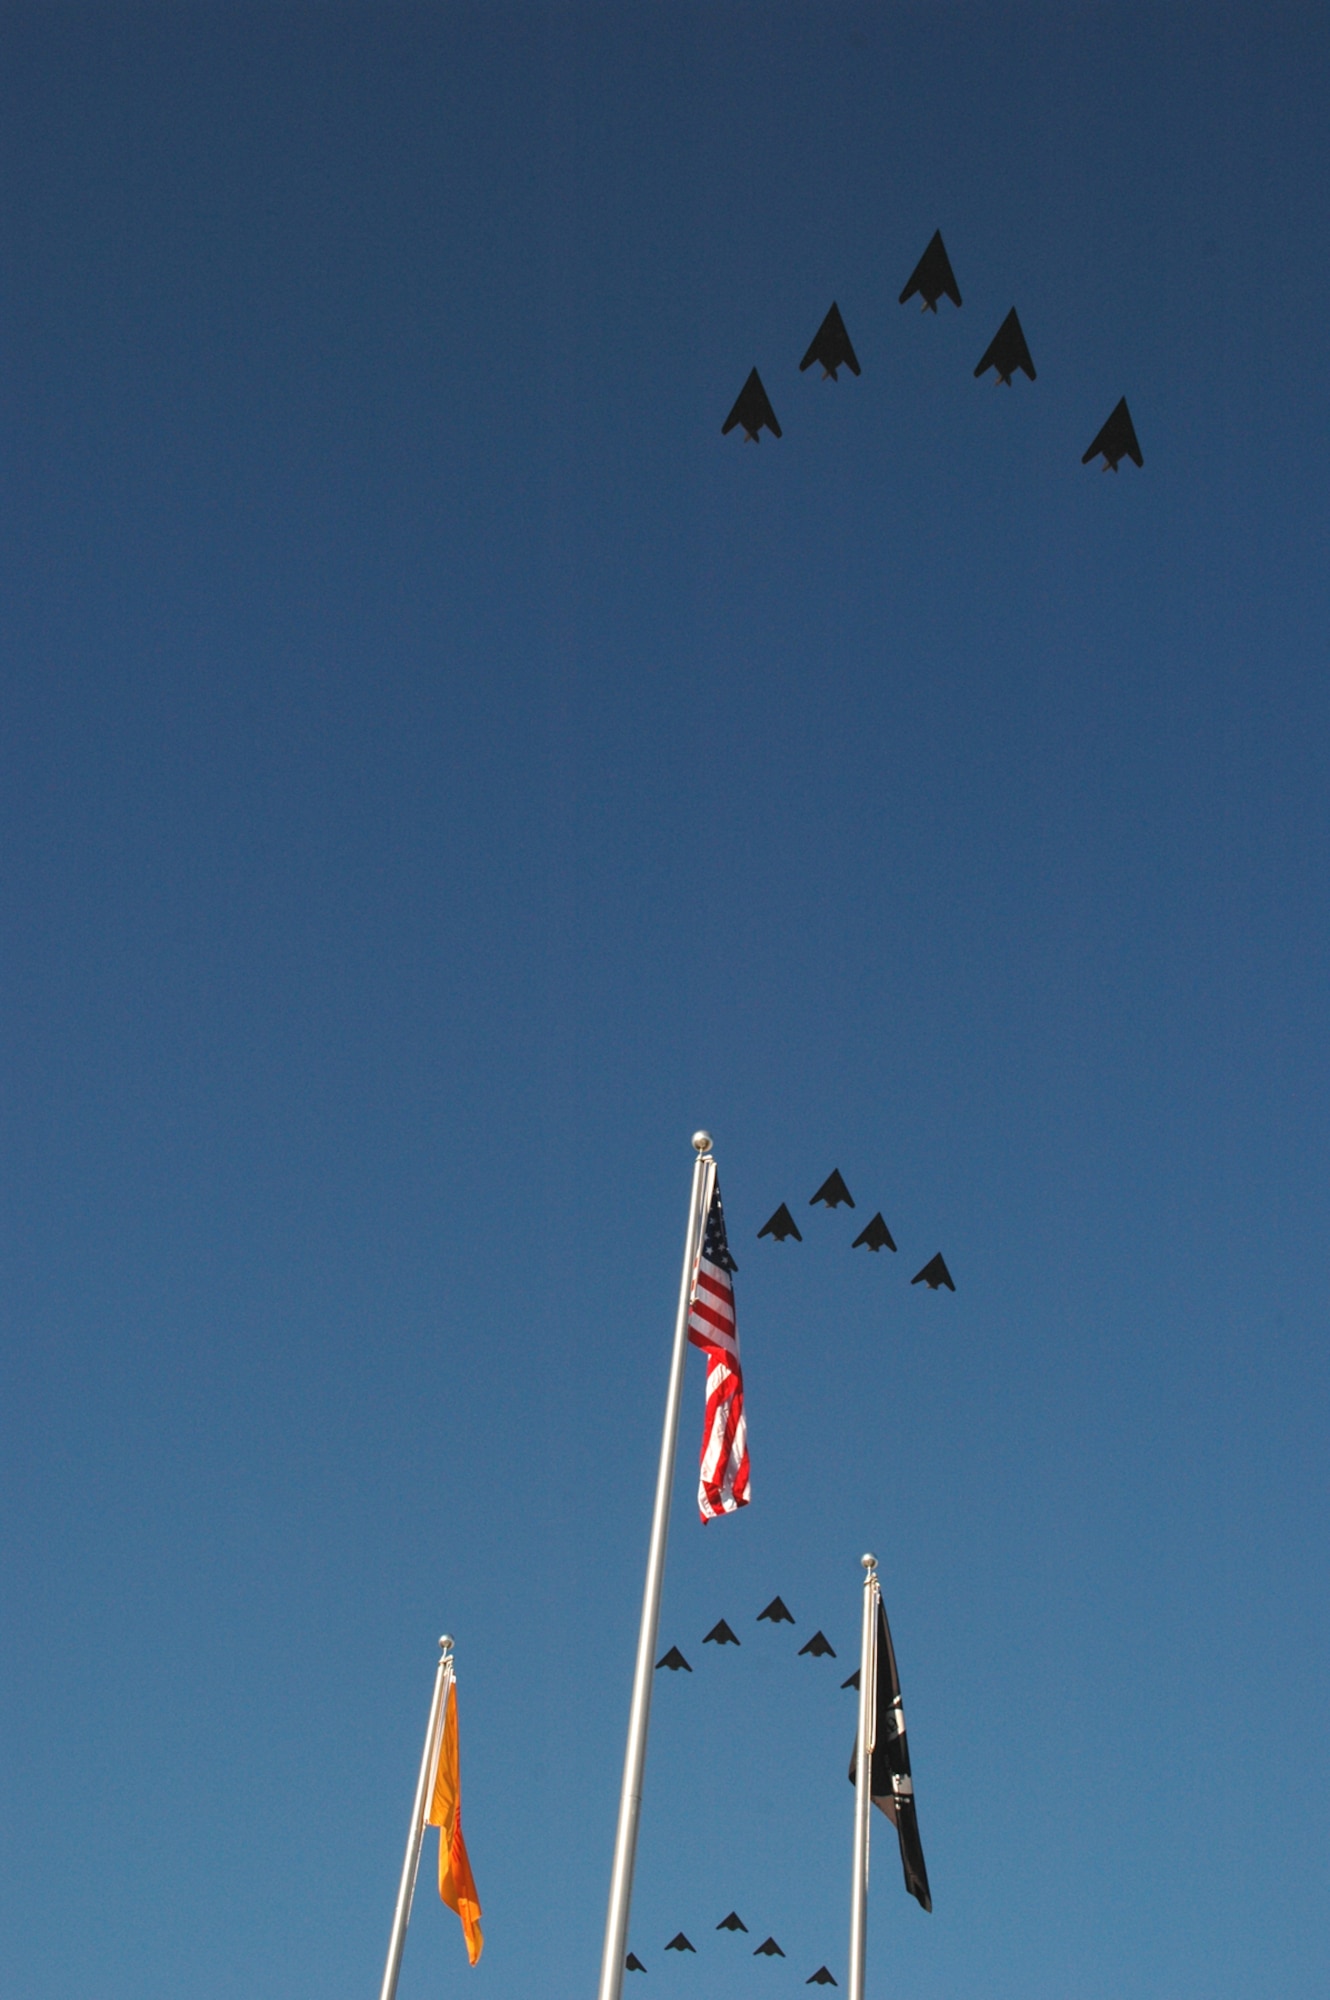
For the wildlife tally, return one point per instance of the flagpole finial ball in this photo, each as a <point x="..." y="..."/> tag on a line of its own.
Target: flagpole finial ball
<point x="445" y="1642"/>
<point x="701" y="1142"/>
<point x="869" y="1562"/>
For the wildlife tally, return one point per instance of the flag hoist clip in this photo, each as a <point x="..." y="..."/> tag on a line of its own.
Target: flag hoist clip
<point x="865" y="1743"/>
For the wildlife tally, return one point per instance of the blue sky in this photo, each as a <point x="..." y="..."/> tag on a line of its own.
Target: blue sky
<point x="439" y="773"/>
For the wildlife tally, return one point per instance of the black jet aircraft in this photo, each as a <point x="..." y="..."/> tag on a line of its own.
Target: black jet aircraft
<point x="1007" y="351"/>
<point x="752" y="409"/>
<point x="933" y="276"/>
<point x="633" y="1963"/>
<point x="876" y="1237"/>
<point x="734" y="1922"/>
<point x="934" y="1273"/>
<point x="768" y="1949"/>
<point x="833" y="1191"/>
<point x="819" y="1645"/>
<point x="780" y="1225"/>
<point x="853" y="1681"/>
<point x="778" y="1612"/>
<point x="820" y="1978"/>
<point x="831" y="346"/>
<point x="674" y="1659"/>
<point x="680" y="1943"/>
<point x="721" y="1635"/>
<point x="1116" y="440"/>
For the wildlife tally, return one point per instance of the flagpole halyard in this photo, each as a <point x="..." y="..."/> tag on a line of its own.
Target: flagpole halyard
<point x="639" y="1714"/>
<point x="863" y="1781"/>
<point x="406" y="1888"/>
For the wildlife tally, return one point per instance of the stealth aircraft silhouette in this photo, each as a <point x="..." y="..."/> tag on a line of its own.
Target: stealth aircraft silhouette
<point x="1007" y="351"/>
<point x="1116" y="440"/>
<point x="820" y="1978"/>
<point x="934" y="1273"/>
<point x="752" y="409"/>
<point x="831" y="346"/>
<point x="680" y="1943"/>
<point x="876" y="1237"/>
<point x="674" y="1659"/>
<point x="734" y="1922"/>
<point x="778" y="1612"/>
<point x="768" y="1949"/>
<point x="721" y="1635"/>
<point x="633" y="1963"/>
<point x="933" y="277"/>
<point x="833" y="1191"/>
<point x="780" y="1225"/>
<point x="819" y="1645"/>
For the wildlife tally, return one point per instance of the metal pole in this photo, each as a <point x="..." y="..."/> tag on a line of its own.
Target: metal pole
<point x="406" y="1888"/>
<point x="639" y="1714"/>
<point x="863" y="1781"/>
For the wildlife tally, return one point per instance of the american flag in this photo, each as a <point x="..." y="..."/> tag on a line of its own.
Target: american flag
<point x="723" y="1485"/>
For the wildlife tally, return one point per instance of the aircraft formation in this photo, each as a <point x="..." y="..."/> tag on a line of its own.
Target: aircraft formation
<point x="833" y="1193"/>
<point x="1007" y="354"/>
<point x="723" y="1634"/>
<point x="734" y="1922"/>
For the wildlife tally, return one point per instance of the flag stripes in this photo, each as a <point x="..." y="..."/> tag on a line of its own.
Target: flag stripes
<point x="723" y="1484"/>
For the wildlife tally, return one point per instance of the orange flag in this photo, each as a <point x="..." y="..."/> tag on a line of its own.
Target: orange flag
<point x="457" y="1885"/>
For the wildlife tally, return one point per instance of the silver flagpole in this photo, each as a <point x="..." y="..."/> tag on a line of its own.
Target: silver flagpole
<point x="863" y="1781"/>
<point x="406" y="1888"/>
<point x="639" y="1714"/>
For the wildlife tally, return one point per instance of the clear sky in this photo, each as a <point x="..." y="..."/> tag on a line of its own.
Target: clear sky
<point x="438" y="772"/>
